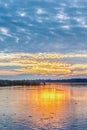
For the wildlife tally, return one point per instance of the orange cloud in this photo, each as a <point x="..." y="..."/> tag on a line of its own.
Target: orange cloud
<point x="8" y="72"/>
<point x="42" y="64"/>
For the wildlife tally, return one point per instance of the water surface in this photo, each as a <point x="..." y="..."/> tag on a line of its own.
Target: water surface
<point x="49" y="107"/>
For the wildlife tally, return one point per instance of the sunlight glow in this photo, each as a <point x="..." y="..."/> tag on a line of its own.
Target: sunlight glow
<point x="52" y="95"/>
<point x="53" y="64"/>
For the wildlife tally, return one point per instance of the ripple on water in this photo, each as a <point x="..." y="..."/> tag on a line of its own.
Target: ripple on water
<point x="44" y="108"/>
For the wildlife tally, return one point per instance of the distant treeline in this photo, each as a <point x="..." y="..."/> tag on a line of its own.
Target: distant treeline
<point x="74" y="80"/>
<point x="19" y="82"/>
<point x="39" y="82"/>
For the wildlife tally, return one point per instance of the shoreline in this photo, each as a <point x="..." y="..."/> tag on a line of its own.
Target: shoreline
<point x="41" y="82"/>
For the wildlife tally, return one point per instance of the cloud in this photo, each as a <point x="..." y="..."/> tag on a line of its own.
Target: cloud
<point x="9" y="73"/>
<point x="61" y="16"/>
<point x="67" y="27"/>
<point x="42" y="64"/>
<point x="31" y="31"/>
<point x="40" y="11"/>
<point x="21" y="13"/>
<point x="1" y="39"/>
<point x="20" y="20"/>
<point x="4" y="30"/>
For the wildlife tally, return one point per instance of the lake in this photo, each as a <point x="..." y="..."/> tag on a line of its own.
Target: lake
<point x="49" y="107"/>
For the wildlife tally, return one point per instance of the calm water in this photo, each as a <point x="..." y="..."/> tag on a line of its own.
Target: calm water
<point x="49" y="107"/>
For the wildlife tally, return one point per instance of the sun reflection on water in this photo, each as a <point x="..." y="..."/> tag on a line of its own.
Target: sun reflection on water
<point x="39" y="105"/>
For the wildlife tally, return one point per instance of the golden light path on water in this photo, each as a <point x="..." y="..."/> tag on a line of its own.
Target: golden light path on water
<point x="36" y="107"/>
<point x="41" y="104"/>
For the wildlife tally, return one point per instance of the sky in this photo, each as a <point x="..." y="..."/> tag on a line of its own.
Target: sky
<point x="43" y="39"/>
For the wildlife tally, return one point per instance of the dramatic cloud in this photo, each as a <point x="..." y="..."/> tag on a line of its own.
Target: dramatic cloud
<point x="43" y="37"/>
<point x="53" y="64"/>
